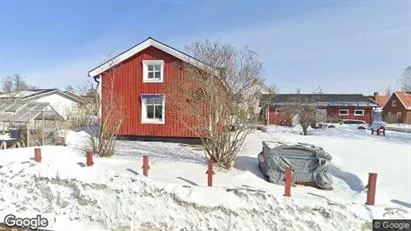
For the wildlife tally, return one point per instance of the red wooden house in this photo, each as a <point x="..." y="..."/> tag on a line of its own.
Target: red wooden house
<point x="142" y="72"/>
<point x="334" y="106"/>
<point x="398" y="108"/>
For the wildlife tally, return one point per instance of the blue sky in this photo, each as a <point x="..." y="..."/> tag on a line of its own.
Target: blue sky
<point x="343" y="46"/>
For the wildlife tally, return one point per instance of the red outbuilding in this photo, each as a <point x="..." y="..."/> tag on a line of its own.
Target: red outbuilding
<point x="333" y="107"/>
<point x="142" y="73"/>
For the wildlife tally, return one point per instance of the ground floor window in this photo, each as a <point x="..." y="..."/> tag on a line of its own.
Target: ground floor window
<point x="152" y="111"/>
<point x="343" y="112"/>
<point x="359" y="112"/>
<point x="399" y="115"/>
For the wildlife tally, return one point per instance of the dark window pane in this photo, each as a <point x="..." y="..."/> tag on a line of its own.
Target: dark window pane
<point x="150" y="112"/>
<point x="158" y="101"/>
<point x="150" y="67"/>
<point x="150" y="75"/>
<point x="157" y="67"/>
<point x="158" y="75"/>
<point x="159" y="112"/>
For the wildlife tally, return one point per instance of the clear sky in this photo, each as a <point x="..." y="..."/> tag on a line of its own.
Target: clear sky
<point x="343" y="46"/>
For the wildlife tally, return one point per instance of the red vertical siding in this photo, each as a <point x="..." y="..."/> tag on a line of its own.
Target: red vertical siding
<point x="332" y="115"/>
<point x="278" y="119"/>
<point x="128" y="84"/>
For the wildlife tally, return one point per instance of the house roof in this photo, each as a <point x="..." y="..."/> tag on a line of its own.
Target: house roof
<point x="23" y="112"/>
<point x="382" y="99"/>
<point x="140" y="47"/>
<point x="324" y="99"/>
<point x="30" y="94"/>
<point x="405" y="98"/>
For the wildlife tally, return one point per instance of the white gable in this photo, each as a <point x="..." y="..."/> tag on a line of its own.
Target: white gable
<point x="138" y="48"/>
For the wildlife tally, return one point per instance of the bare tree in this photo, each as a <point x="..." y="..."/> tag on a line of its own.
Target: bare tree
<point x="101" y="117"/>
<point x="212" y="97"/>
<point x="318" y="90"/>
<point x="86" y="88"/>
<point x="13" y="83"/>
<point x="69" y="88"/>
<point x="405" y="80"/>
<point x="388" y="91"/>
<point x="298" y="91"/>
<point x="305" y="108"/>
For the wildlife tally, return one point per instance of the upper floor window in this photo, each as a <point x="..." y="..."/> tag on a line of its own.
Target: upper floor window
<point x="394" y="103"/>
<point x="153" y="71"/>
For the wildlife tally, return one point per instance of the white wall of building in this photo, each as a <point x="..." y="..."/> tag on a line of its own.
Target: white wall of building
<point x="61" y="104"/>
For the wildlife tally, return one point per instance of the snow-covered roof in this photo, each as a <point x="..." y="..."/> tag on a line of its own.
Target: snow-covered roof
<point x="36" y="93"/>
<point x="143" y="45"/>
<point x="322" y="100"/>
<point x="25" y="112"/>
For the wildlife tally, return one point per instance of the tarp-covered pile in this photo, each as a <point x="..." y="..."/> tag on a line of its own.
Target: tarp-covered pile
<point x="309" y="163"/>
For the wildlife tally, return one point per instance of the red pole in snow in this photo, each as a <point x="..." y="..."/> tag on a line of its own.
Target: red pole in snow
<point x="372" y="182"/>
<point x="288" y="179"/>
<point x="89" y="156"/>
<point x="37" y="155"/>
<point x="146" y="166"/>
<point x="210" y="173"/>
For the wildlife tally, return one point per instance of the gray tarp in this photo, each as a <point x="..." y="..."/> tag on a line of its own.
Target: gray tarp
<point x="309" y="163"/>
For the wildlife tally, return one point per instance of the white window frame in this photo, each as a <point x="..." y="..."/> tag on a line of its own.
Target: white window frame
<point x="146" y="63"/>
<point x="394" y="103"/>
<point x="340" y="110"/>
<point x="278" y="111"/>
<point x="144" y="119"/>
<point x="357" y="110"/>
<point x="399" y="115"/>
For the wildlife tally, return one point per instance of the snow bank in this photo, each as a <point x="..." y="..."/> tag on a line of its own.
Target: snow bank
<point x="106" y="199"/>
<point x="114" y="195"/>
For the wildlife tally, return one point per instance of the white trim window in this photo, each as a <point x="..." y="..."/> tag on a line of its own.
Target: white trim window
<point x="399" y="115"/>
<point x="343" y="112"/>
<point x="153" y="71"/>
<point x="279" y="111"/>
<point x="394" y="103"/>
<point x="359" y="112"/>
<point x="152" y="109"/>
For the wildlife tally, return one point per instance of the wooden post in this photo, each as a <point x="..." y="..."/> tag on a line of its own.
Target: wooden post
<point x="37" y="155"/>
<point x="372" y="182"/>
<point x="89" y="156"/>
<point x="210" y="173"/>
<point x="288" y="180"/>
<point x="146" y="165"/>
<point x="42" y="129"/>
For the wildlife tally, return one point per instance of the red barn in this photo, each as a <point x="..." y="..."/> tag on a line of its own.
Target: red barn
<point x="142" y="72"/>
<point x="334" y="106"/>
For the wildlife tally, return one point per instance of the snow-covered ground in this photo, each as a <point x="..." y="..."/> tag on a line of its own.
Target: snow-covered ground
<point x="399" y="127"/>
<point x="114" y="195"/>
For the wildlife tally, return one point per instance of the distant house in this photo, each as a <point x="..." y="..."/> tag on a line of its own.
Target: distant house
<point x="381" y="100"/>
<point x="256" y="91"/>
<point x="142" y="74"/>
<point x="62" y="102"/>
<point x="398" y="108"/>
<point x="332" y="107"/>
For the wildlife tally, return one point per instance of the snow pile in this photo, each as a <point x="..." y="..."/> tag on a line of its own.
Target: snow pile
<point x="79" y="140"/>
<point x="399" y="127"/>
<point x="114" y="195"/>
<point x="115" y="201"/>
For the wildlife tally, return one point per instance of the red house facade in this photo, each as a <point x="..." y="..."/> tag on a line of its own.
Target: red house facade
<point x="398" y="108"/>
<point x="333" y="107"/>
<point x="141" y="75"/>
